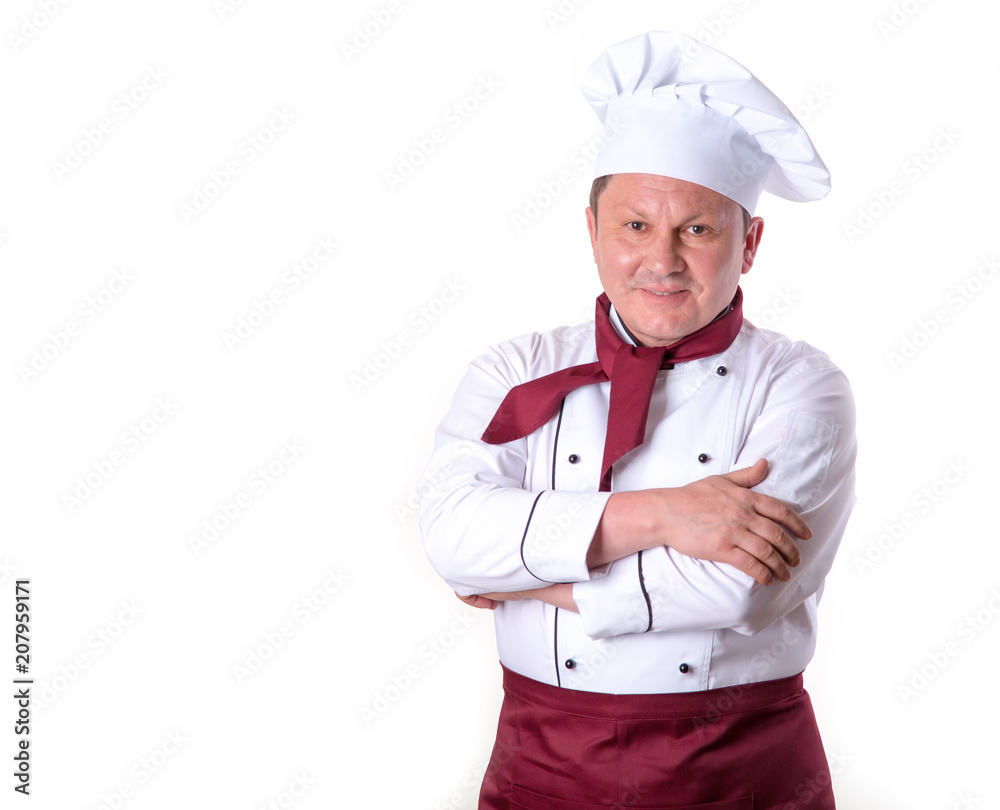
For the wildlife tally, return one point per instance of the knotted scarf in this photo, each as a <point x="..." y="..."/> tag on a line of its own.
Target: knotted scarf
<point x="632" y="371"/>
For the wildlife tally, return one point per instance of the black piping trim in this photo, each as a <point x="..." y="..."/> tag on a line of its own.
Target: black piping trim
<point x="555" y="442"/>
<point x="555" y="621"/>
<point x="555" y="646"/>
<point x="645" y="593"/>
<point x="628" y="331"/>
<point x="525" y="537"/>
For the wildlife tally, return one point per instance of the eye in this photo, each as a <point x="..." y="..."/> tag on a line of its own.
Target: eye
<point x="634" y="225"/>
<point x="698" y="230"/>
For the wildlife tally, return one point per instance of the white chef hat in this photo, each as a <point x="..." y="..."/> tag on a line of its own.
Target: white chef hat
<point x="704" y="118"/>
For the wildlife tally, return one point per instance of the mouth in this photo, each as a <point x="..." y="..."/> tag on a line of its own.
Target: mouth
<point x="662" y="293"/>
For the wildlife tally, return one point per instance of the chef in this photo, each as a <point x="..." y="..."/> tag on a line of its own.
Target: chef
<point x="650" y="501"/>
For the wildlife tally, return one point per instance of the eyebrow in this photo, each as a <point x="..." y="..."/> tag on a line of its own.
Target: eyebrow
<point x="700" y="214"/>
<point x="707" y="213"/>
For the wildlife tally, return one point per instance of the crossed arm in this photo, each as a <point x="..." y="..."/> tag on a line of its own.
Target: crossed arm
<point x="706" y="554"/>
<point x="718" y="518"/>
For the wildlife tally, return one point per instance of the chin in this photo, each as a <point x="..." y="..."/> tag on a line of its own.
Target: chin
<point x="661" y="333"/>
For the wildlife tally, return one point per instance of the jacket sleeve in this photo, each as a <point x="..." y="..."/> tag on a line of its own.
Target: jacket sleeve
<point x="483" y="530"/>
<point x="806" y="430"/>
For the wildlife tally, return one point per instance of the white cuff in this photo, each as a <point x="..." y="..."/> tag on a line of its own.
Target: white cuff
<point x="558" y="535"/>
<point x="616" y="603"/>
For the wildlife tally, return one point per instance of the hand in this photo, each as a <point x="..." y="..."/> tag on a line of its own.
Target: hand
<point x="718" y="518"/>
<point x="559" y="595"/>
<point x="479" y="600"/>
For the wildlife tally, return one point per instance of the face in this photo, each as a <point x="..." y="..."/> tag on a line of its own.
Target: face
<point x="669" y="253"/>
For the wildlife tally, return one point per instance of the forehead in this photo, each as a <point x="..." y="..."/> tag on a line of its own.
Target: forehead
<point x="657" y="194"/>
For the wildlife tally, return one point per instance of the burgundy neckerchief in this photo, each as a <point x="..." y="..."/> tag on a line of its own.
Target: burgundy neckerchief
<point x="632" y="371"/>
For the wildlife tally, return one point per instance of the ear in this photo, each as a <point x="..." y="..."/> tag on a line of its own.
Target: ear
<point x="751" y="243"/>
<point x="592" y="228"/>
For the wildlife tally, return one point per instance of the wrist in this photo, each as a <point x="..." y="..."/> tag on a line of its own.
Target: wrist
<point x="559" y="595"/>
<point x="625" y="528"/>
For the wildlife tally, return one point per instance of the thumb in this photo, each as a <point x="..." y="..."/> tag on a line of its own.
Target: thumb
<point x="749" y="476"/>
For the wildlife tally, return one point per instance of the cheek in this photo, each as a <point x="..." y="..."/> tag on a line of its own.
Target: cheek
<point x="728" y="266"/>
<point x="619" y="260"/>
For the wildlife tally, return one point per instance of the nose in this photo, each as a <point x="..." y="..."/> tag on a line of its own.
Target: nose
<point x="663" y="256"/>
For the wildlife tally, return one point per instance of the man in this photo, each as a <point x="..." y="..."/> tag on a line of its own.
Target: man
<point x="650" y="502"/>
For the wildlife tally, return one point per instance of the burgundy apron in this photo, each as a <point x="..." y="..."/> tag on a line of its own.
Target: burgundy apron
<point x="749" y="747"/>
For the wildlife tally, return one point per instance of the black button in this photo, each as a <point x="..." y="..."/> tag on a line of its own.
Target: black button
<point x="570" y="663"/>
<point x="573" y="458"/>
<point x="684" y="668"/>
<point x="722" y="371"/>
<point x="703" y="457"/>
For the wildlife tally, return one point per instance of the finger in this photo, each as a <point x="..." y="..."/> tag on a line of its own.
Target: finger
<point x="484" y="602"/>
<point x="777" y="537"/>
<point x="782" y="513"/>
<point x="750" y="565"/>
<point x="749" y="476"/>
<point x="766" y="554"/>
<point x="478" y="601"/>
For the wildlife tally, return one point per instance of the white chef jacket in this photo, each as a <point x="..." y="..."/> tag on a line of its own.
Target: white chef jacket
<point x="522" y="514"/>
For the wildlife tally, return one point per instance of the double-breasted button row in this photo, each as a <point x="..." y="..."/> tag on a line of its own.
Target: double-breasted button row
<point x="569" y="663"/>
<point x="704" y="458"/>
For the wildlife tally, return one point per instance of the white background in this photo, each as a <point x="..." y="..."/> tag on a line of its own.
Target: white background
<point x="139" y="632"/>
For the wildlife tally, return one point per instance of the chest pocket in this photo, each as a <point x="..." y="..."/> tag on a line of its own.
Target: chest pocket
<point x="802" y="461"/>
<point x="522" y="799"/>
